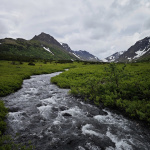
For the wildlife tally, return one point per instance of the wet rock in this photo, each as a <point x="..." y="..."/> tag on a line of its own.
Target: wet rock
<point x="13" y="109"/>
<point x="39" y="105"/>
<point x="24" y="114"/>
<point x="101" y="112"/>
<point x="95" y="112"/>
<point x="62" y="108"/>
<point x="66" y="115"/>
<point x="54" y="109"/>
<point x="35" y="119"/>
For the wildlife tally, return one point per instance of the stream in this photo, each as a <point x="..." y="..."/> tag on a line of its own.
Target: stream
<point x="51" y="119"/>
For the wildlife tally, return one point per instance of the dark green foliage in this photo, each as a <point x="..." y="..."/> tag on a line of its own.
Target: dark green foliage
<point x="31" y="63"/>
<point x="3" y="113"/>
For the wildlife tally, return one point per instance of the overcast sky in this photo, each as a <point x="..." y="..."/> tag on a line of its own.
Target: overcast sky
<point x="101" y="27"/>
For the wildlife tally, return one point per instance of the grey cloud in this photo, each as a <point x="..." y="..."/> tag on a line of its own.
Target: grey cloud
<point x="3" y="29"/>
<point x="146" y="24"/>
<point x="131" y="29"/>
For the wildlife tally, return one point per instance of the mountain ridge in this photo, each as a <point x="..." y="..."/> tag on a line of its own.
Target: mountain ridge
<point x="113" y="57"/>
<point x="44" y="37"/>
<point x="42" y="46"/>
<point x="81" y="54"/>
<point x="140" y="51"/>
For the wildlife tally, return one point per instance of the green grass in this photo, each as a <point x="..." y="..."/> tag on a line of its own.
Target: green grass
<point x="119" y="86"/>
<point x="11" y="76"/>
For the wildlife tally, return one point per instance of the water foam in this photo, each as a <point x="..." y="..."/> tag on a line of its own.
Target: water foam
<point x="45" y="111"/>
<point x="113" y="119"/>
<point x="86" y="130"/>
<point x="49" y="101"/>
<point x="120" y="143"/>
<point x="74" y="111"/>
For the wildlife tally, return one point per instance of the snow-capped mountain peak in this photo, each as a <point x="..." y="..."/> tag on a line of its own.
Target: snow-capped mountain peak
<point x="114" y="57"/>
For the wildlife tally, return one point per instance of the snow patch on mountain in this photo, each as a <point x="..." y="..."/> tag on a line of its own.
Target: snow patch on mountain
<point x="47" y="49"/>
<point x="140" y="53"/>
<point x="76" y="55"/>
<point x="114" y="56"/>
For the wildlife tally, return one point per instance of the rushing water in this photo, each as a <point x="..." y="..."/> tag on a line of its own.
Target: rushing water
<point x="54" y="120"/>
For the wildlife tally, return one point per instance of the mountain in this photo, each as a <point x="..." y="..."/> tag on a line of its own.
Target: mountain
<point x="42" y="46"/>
<point x="114" y="56"/>
<point x="46" y="38"/>
<point x="66" y="47"/>
<point x="81" y="54"/>
<point x="138" y="52"/>
<point x="86" y="56"/>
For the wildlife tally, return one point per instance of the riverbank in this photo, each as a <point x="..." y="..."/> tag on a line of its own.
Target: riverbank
<point x="13" y="73"/>
<point x="50" y="118"/>
<point x="125" y="87"/>
<point x="11" y="80"/>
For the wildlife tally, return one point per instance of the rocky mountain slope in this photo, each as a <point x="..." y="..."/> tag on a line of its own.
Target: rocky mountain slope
<point x="42" y="46"/>
<point x="138" y="52"/>
<point x="84" y="55"/>
<point x="46" y="38"/>
<point x="114" y="56"/>
<point x="81" y="54"/>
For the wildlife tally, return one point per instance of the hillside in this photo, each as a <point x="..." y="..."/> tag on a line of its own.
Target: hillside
<point x="42" y="46"/>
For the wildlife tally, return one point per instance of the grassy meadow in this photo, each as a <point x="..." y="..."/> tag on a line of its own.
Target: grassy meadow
<point x="13" y="73"/>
